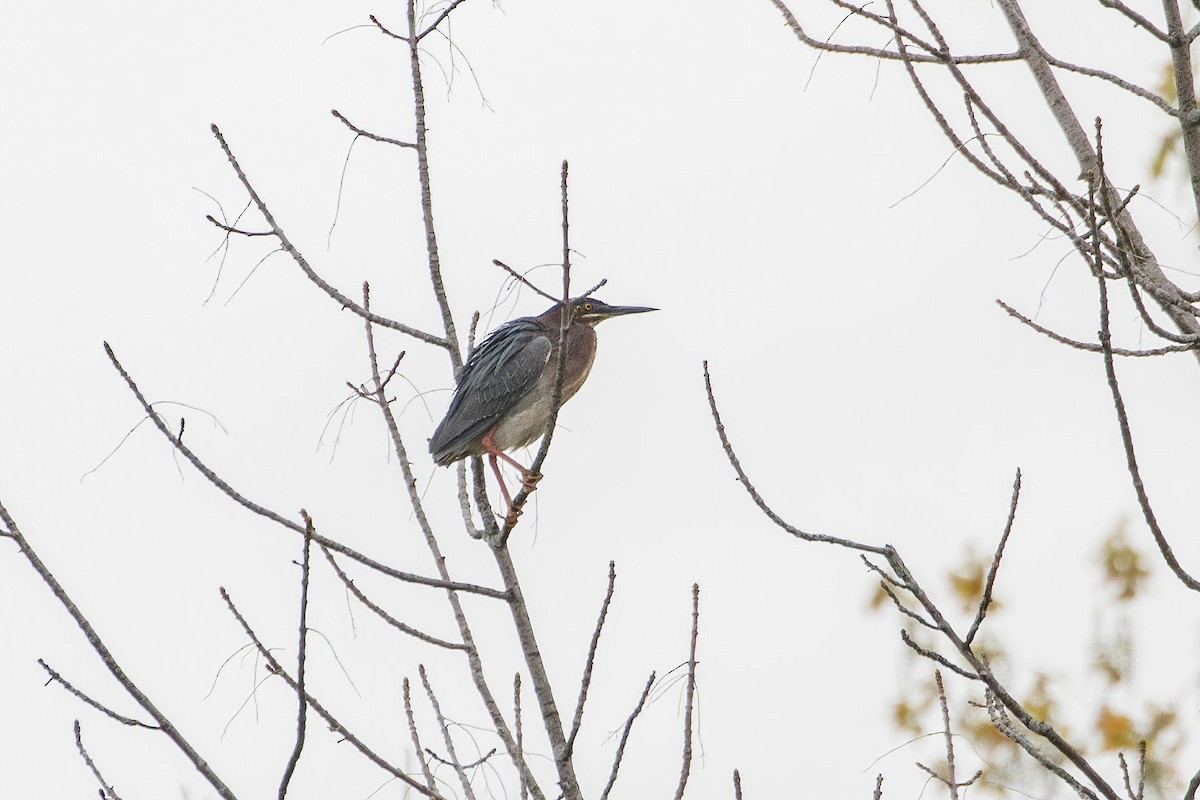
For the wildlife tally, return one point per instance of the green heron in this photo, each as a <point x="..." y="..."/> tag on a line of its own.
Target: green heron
<point x="505" y="389"/>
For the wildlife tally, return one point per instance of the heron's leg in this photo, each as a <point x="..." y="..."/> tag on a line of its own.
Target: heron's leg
<point x="529" y="478"/>
<point x="500" y="480"/>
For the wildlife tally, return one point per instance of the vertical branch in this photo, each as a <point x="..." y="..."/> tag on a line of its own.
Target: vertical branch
<point x="1185" y="95"/>
<point x="416" y="739"/>
<point x="586" y="681"/>
<point x="951" y="776"/>
<point x="616" y="767"/>
<point x="450" y="752"/>
<point x="691" y="695"/>
<point x="566" y="237"/>
<point x="460" y="617"/>
<point x="520" y="734"/>
<point x="1110" y="370"/>
<point x="537" y="673"/>
<point x="986" y="599"/>
<point x="565" y="318"/>
<point x="431" y="245"/>
<point x="106" y="791"/>
<point x="301" y="715"/>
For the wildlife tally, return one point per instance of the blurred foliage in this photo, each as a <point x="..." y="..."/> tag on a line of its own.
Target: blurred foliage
<point x="1115" y="725"/>
<point x="1122" y="564"/>
<point x="1168" y="146"/>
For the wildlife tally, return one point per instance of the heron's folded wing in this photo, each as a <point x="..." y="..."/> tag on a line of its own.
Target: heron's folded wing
<point x="501" y="370"/>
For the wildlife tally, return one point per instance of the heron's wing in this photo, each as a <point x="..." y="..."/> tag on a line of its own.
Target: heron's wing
<point x="501" y="370"/>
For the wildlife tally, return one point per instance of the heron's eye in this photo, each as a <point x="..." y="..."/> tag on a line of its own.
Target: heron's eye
<point x="587" y="306"/>
<point x="578" y="309"/>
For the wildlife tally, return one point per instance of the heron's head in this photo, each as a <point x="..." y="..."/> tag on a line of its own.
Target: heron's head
<point x="592" y="311"/>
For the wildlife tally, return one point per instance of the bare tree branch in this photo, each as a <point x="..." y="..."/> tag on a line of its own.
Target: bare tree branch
<point x="165" y="725"/>
<point x="106" y="790"/>
<point x="435" y="550"/>
<point x="1002" y="723"/>
<point x="440" y="18"/>
<point x="936" y="657"/>
<point x="1136" y="18"/>
<point x="337" y="727"/>
<point x="691" y="696"/>
<point x="385" y="616"/>
<point x="301" y="660"/>
<point x="551" y="719"/>
<point x="586" y="681"/>
<point x="103" y="709"/>
<point x="1160" y="538"/>
<point x="986" y="599"/>
<point x="416" y="739"/>
<point x="556" y="395"/>
<point x="300" y="260"/>
<point x="262" y="511"/>
<point x="1093" y="348"/>
<point x="431" y="244"/>
<point x="520" y="735"/>
<point x="612" y="776"/>
<point x="376" y="137"/>
<point x="437" y="711"/>
<point x="757" y="498"/>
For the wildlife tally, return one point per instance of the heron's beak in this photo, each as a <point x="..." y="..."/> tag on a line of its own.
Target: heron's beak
<point x="619" y="311"/>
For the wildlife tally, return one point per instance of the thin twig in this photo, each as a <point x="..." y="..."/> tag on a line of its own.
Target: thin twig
<point x="986" y="600"/>
<point x="936" y="657"/>
<point x="301" y="659"/>
<point x="757" y="498"/>
<point x="239" y="231"/>
<point x="106" y="790"/>
<point x="384" y="30"/>
<point x="307" y="269"/>
<point x="374" y="136"/>
<point x="416" y="739"/>
<point x="612" y="775"/>
<point x="291" y="525"/>
<point x="1139" y="487"/>
<point x="691" y="696"/>
<point x="902" y="608"/>
<point x="103" y="709"/>
<point x="385" y="616"/>
<point x="440" y="17"/>
<point x="437" y="711"/>
<point x="1094" y="348"/>
<point x="586" y="681"/>
<point x="526" y="282"/>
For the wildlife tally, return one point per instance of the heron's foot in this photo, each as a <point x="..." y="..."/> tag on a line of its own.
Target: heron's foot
<point x="514" y="514"/>
<point x="530" y="480"/>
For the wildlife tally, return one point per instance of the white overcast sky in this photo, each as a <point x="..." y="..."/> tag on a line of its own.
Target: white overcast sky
<point x="871" y="385"/>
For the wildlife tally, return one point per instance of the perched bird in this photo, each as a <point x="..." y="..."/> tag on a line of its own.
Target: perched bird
<point x="505" y="389"/>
